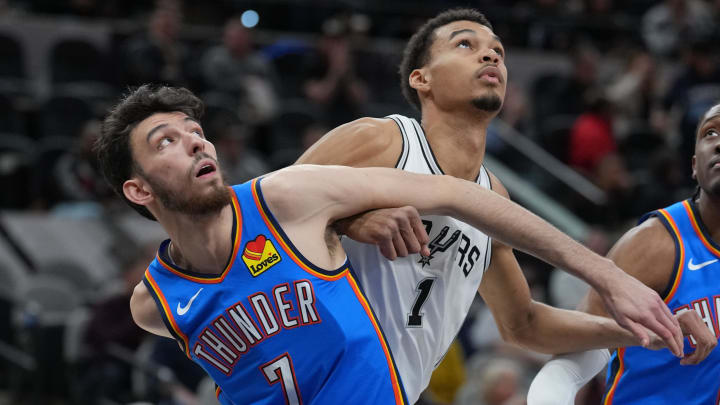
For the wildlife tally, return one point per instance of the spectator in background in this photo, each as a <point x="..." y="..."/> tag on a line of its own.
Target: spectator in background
<point x="633" y="93"/>
<point x="494" y="381"/>
<point x="77" y="173"/>
<point x="240" y="161"/>
<point x="693" y="92"/>
<point x="667" y="25"/>
<point x="331" y="80"/>
<point x="241" y="72"/>
<point x="158" y="56"/>
<point x="593" y="152"/>
<point x="111" y="323"/>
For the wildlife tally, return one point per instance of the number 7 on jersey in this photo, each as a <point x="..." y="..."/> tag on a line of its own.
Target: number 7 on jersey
<point x="281" y="369"/>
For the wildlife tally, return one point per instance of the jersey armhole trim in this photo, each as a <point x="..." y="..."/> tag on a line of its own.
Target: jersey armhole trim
<point x="405" y="152"/>
<point x="165" y="312"/>
<point x="669" y="224"/>
<point x="618" y="368"/>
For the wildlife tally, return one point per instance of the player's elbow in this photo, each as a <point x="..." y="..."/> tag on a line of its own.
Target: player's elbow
<point x="523" y="331"/>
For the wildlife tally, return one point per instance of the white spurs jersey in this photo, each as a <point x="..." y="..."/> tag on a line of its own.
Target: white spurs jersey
<point x="421" y="302"/>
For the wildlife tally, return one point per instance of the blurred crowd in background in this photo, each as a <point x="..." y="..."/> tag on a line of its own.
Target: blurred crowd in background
<point x="610" y="90"/>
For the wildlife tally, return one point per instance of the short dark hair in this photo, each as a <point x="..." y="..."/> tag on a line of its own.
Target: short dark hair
<point x="113" y="146"/>
<point x="417" y="50"/>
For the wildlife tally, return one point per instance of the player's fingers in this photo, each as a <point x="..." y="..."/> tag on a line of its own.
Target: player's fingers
<point x="665" y="334"/>
<point x="673" y="323"/>
<point x="420" y="234"/>
<point x="411" y="243"/>
<point x="638" y="331"/>
<point x="387" y="249"/>
<point x="399" y="244"/>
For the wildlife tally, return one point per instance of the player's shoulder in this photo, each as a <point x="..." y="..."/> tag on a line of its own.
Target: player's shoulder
<point x="651" y="234"/>
<point x="647" y="252"/>
<point x="364" y="142"/>
<point x="144" y="311"/>
<point x="496" y="185"/>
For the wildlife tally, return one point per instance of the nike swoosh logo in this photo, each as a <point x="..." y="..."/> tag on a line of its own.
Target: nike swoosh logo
<point x="693" y="266"/>
<point x="183" y="310"/>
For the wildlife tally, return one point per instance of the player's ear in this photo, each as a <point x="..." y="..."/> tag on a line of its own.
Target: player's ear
<point x="137" y="191"/>
<point x="420" y="80"/>
<point x="694" y="171"/>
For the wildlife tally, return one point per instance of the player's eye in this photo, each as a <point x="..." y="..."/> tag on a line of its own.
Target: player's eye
<point x="464" y="44"/>
<point x="711" y="132"/>
<point x="165" y="141"/>
<point x="499" y="51"/>
<point x="198" y="132"/>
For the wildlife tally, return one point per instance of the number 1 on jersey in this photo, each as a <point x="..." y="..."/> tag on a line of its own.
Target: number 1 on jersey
<point x="423" y="288"/>
<point x="281" y="369"/>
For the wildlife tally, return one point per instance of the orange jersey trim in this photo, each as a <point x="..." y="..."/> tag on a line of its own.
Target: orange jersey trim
<point x="699" y="233"/>
<point x="393" y="372"/>
<point x="681" y="255"/>
<point x="167" y="310"/>
<point x="611" y="392"/>
<point x="233" y="254"/>
<point x="217" y="392"/>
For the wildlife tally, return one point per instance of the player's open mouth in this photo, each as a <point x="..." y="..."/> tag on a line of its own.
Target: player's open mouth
<point x="206" y="169"/>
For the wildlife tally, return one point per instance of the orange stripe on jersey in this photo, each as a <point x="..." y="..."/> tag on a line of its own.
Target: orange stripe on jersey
<point x="285" y="244"/>
<point x="678" y="272"/>
<point x="621" y="369"/>
<point x="393" y="372"/>
<point x="696" y="227"/>
<point x="233" y="254"/>
<point x="217" y="392"/>
<point x="167" y="310"/>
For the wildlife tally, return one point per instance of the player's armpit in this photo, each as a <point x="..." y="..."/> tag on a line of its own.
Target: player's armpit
<point x="365" y="142"/>
<point x="145" y="313"/>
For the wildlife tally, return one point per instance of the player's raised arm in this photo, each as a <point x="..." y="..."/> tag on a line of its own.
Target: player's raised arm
<point x="330" y="193"/>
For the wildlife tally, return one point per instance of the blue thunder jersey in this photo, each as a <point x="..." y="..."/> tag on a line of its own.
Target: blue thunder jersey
<point x="272" y="328"/>
<point x="642" y="376"/>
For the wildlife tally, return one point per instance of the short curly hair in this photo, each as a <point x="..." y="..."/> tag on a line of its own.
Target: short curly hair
<point x="113" y="146"/>
<point x="417" y="50"/>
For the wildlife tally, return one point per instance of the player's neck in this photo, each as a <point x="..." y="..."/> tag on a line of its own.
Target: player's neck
<point x="709" y="208"/>
<point x="457" y="140"/>
<point x="200" y="244"/>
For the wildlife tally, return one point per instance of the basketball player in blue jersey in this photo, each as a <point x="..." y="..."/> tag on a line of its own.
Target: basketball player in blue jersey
<point x="453" y="71"/>
<point x="254" y="284"/>
<point x="674" y="251"/>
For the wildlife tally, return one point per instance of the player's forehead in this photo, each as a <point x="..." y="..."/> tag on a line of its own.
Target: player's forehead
<point x="450" y="30"/>
<point x="158" y="119"/>
<point x="711" y="117"/>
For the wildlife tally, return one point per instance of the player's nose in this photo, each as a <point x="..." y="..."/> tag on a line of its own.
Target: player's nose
<point x="194" y="143"/>
<point x="489" y="56"/>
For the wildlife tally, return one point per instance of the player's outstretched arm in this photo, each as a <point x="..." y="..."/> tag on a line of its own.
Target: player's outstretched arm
<point x="331" y="193"/>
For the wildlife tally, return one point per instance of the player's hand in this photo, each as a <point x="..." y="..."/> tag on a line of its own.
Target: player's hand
<point x="705" y="340"/>
<point x="398" y="232"/>
<point x="634" y="305"/>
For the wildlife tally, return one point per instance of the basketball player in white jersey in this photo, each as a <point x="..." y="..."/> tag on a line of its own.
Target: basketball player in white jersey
<point x="453" y="71"/>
